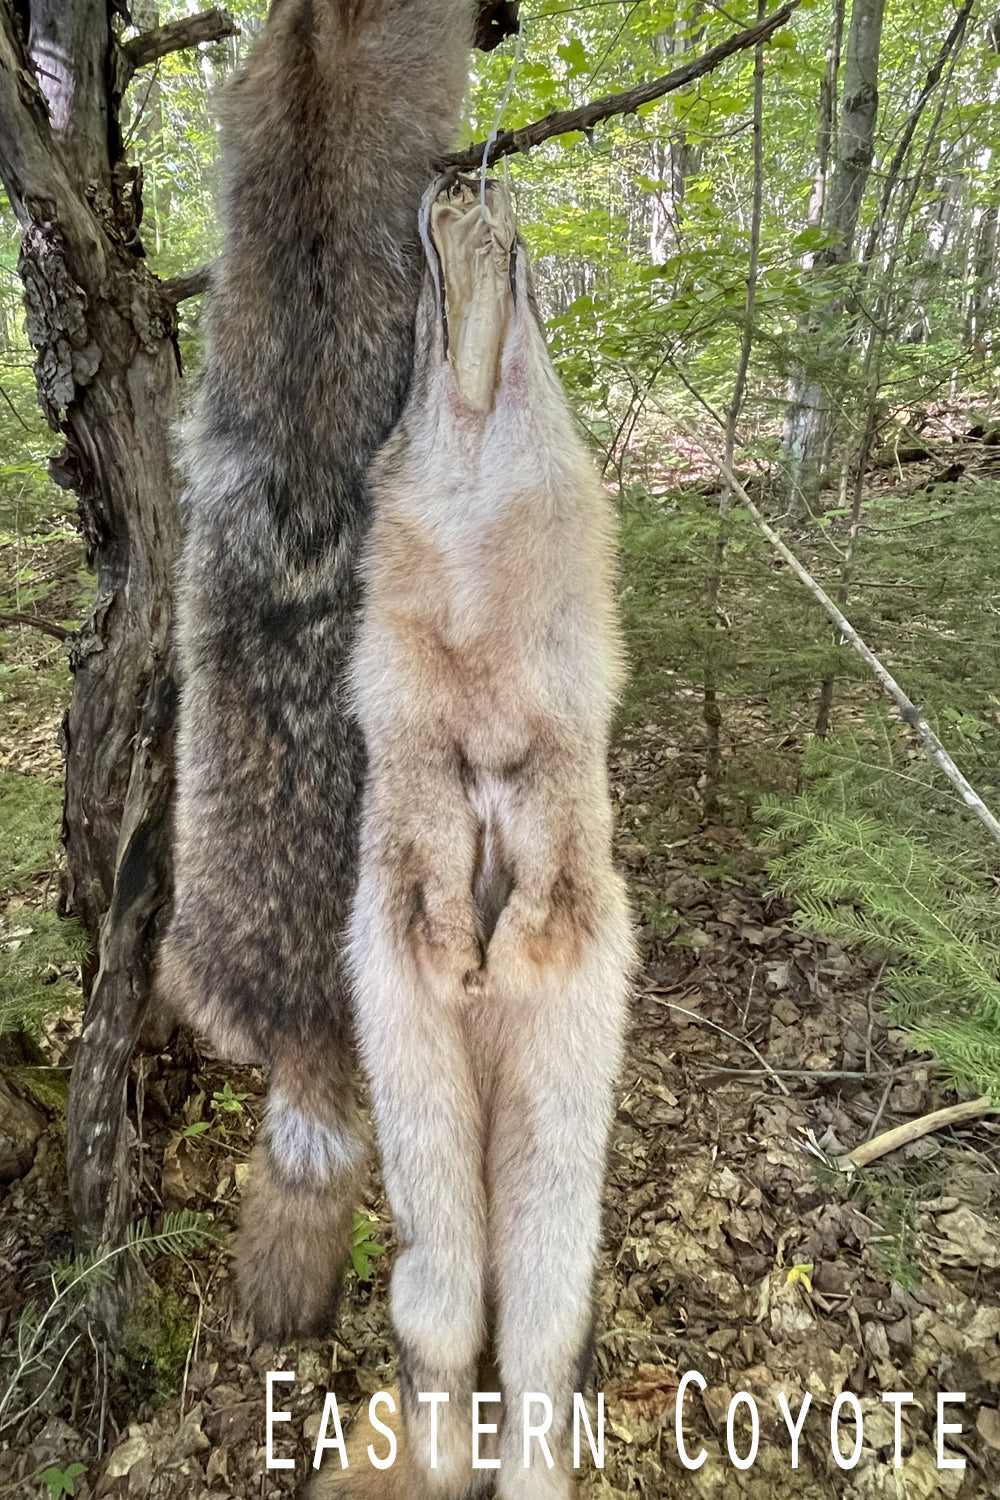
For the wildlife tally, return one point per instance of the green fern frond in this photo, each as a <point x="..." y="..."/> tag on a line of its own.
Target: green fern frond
<point x="875" y="861"/>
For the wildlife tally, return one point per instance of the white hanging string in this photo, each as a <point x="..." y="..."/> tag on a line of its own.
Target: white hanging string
<point x="515" y="64"/>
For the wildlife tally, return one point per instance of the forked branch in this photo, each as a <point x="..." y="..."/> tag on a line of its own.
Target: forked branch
<point x="562" y="121"/>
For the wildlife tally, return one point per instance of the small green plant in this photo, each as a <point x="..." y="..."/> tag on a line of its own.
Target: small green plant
<point x="62" y="1481"/>
<point x="893" y="1204"/>
<point x="226" y="1102"/>
<point x="363" y="1248"/>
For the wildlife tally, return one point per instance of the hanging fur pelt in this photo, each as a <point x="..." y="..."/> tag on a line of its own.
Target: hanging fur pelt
<point x="329" y="135"/>
<point x="490" y="944"/>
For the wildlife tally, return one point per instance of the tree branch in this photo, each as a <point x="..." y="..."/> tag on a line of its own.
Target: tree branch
<point x="188" y="284"/>
<point x="562" y="121"/>
<point x="58" y="632"/>
<point x="908" y="710"/>
<point x="191" y="31"/>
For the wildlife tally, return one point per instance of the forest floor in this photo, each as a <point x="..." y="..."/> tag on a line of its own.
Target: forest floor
<point x="733" y="1247"/>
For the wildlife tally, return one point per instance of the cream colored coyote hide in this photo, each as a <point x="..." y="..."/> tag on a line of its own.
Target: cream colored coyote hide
<point x="490" y="942"/>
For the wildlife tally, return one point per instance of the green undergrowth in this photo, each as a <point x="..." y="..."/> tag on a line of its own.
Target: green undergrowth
<point x="879" y="853"/>
<point x="860" y="829"/>
<point x="40" y="953"/>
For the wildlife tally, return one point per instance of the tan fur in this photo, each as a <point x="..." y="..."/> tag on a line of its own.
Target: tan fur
<point x="490" y="943"/>
<point x="404" y="1479"/>
<point x="288" y="1273"/>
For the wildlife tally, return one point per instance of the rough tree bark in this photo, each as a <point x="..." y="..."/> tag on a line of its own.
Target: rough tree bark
<point x="107" y="371"/>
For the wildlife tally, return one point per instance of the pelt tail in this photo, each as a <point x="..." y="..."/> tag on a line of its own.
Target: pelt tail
<point x="295" y="1225"/>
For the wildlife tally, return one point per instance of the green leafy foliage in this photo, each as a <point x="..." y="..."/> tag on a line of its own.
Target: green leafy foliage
<point x="39" y="952"/>
<point x="363" y="1248"/>
<point x="61" y="1482"/>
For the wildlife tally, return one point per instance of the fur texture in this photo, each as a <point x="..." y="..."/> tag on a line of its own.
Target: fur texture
<point x="329" y="137"/>
<point x="490" y="942"/>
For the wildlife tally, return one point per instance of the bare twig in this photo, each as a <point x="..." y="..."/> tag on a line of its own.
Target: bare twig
<point x="741" y="1041"/>
<point x="914" y="1130"/>
<point x="711" y="709"/>
<point x="190" y="31"/>
<point x="880" y="1111"/>
<point x="562" y="121"/>
<point x="821" y="1075"/>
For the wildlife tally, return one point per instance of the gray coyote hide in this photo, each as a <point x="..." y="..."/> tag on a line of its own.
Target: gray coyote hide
<point x="329" y="138"/>
<point x="489" y="944"/>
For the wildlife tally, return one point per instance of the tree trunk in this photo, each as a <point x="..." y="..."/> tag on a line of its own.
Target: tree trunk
<point x="674" y="160"/>
<point x="808" y="425"/>
<point x="826" y="122"/>
<point x="937" y="237"/>
<point x="107" y="370"/>
<point x="981" y="298"/>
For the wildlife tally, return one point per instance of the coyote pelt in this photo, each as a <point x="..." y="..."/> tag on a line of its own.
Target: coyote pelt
<point x="490" y="943"/>
<point x="329" y="139"/>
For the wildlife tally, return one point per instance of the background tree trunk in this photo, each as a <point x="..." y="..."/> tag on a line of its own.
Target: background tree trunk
<point x="807" y="430"/>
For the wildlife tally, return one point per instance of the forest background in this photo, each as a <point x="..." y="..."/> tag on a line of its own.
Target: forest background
<point x="790" y="264"/>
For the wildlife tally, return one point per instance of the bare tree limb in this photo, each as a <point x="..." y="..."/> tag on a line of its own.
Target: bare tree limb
<point x="188" y="284"/>
<point x="190" y="31"/>
<point x="908" y="711"/>
<point x="58" y="632"/>
<point x="562" y="121"/>
<point x="914" y="1130"/>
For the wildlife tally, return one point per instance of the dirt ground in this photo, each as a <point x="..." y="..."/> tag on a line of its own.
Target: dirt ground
<point x="732" y="1249"/>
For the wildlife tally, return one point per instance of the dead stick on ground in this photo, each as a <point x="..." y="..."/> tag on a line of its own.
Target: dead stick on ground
<point x="741" y="1041"/>
<point x="913" y="1130"/>
<point x="908" y="710"/>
